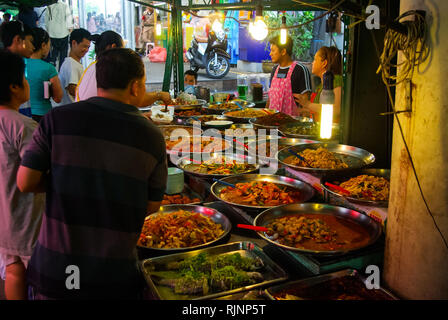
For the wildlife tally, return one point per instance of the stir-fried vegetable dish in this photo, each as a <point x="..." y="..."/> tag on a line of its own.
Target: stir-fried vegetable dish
<point x="249" y="113"/>
<point x="179" y="229"/>
<point x="260" y="193"/>
<point x="319" y="158"/>
<point x="365" y="187"/>
<point x="223" y="167"/>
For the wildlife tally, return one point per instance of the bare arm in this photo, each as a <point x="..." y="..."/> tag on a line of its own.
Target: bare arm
<point x="56" y="89"/>
<point x="152" y="97"/>
<point x="30" y="180"/>
<point x="71" y="89"/>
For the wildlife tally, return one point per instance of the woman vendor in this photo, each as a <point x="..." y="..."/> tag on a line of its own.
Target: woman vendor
<point x="325" y="59"/>
<point x="288" y="78"/>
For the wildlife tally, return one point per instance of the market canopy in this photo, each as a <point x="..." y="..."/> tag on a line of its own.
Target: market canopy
<point x="7" y="4"/>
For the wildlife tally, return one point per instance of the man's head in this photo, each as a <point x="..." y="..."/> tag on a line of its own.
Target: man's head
<point x="6" y="17"/>
<point x="280" y="51"/>
<point x="120" y="71"/>
<point x="190" y="78"/>
<point x="14" y="88"/>
<point x="79" y="42"/>
<point x="18" y="38"/>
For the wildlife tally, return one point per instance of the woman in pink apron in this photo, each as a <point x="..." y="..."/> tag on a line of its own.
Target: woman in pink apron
<point x="288" y="77"/>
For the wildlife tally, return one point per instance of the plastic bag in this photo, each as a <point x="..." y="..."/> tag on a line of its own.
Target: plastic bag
<point x="158" y="54"/>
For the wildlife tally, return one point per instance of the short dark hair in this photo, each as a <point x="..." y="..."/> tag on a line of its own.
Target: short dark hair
<point x="107" y="38"/>
<point x="78" y="35"/>
<point x="118" y="67"/>
<point x="288" y="45"/>
<point x="12" y="29"/>
<point x="40" y="36"/>
<point x="13" y="70"/>
<point x="6" y="15"/>
<point x="191" y="73"/>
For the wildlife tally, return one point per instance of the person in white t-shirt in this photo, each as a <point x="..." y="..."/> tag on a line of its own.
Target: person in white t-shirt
<point x="87" y="86"/>
<point x="72" y="69"/>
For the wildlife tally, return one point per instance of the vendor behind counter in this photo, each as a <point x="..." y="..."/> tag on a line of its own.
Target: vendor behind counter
<point x="288" y="77"/>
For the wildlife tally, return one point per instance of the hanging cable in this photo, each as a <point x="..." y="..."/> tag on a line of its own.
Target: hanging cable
<point x="415" y="51"/>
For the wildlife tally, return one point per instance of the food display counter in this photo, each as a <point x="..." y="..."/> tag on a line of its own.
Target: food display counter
<point x="290" y="199"/>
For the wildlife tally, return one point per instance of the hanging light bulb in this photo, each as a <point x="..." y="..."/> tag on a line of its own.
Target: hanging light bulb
<point x="327" y="101"/>
<point x="258" y="29"/>
<point x="283" y="31"/>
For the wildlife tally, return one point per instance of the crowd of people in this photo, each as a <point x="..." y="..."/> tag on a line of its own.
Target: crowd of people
<point x="48" y="147"/>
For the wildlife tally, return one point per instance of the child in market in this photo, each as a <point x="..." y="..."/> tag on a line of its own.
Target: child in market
<point x="20" y="213"/>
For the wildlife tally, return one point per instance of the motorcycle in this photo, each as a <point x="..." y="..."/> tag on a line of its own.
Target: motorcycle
<point x="211" y="56"/>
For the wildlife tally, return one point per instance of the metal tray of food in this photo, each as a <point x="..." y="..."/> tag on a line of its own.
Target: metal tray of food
<point x="187" y="192"/>
<point x="225" y="145"/>
<point x="303" y="130"/>
<point x="284" y="119"/>
<point x="211" y="213"/>
<point x="281" y="143"/>
<point x="337" y="179"/>
<point x="245" y="119"/>
<point x="353" y="229"/>
<point x="346" y="284"/>
<point x="184" y="115"/>
<point x="161" y="279"/>
<point x="355" y="158"/>
<point x="204" y="118"/>
<point x="183" y="107"/>
<point x="189" y="166"/>
<point x="168" y="129"/>
<point x="306" y="192"/>
<point x="220" y="107"/>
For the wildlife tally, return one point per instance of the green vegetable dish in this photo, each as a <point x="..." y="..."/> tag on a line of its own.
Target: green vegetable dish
<point x="202" y="275"/>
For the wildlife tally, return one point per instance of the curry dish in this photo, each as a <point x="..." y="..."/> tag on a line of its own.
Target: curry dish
<point x="260" y="193"/>
<point x="317" y="232"/>
<point x="320" y="158"/>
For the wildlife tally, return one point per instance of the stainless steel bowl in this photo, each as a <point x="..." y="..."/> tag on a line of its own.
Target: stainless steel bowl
<point x="213" y="214"/>
<point x="385" y="173"/>
<point x="354" y="157"/>
<point x="185" y="162"/>
<point x="306" y="191"/>
<point x="306" y="124"/>
<point x="191" y="120"/>
<point x="371" y="226"/>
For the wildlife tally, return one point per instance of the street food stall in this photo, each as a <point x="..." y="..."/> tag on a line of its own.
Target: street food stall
<point x="263" y="207"/>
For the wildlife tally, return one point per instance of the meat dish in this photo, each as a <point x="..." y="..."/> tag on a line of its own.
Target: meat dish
<point x="320" y="158"/>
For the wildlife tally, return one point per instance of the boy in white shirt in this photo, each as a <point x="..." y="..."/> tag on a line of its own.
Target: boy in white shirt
<point x="72" y="69"/>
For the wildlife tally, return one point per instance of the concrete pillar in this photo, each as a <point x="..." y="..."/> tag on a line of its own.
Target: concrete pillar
<point x="416" y="258"/>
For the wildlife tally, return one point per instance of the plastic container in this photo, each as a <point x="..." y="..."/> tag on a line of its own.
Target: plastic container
<point x="243" y="86"/>
<point x="175" y="181"/>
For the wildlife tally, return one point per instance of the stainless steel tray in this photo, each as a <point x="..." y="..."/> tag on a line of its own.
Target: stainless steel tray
<point x="164" y="128"/>
<point x="190" y="120"/>
<point x="306" y="191"/>
<point x="271" y="272"/>
<point x="189" y="193"/>
<point x="281" y="143"/>
<point x="211" y="213"/>
<point x="385" y="173"/>
<point x="226" y="145"/>
<point x="243" y="119"/>
<point x="184" y="107"/>
<point x="370" y="225"/>
<point x="239" y="104"/>
<point x="356" y="158"/>
<point x="184" y="163"/>
<point x="309" y="283"/>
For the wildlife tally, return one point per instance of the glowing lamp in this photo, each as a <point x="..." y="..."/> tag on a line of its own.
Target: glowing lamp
<point x="283" y="31"/>
<point x="258" y="28"/>
<point x="327" y="101"/>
